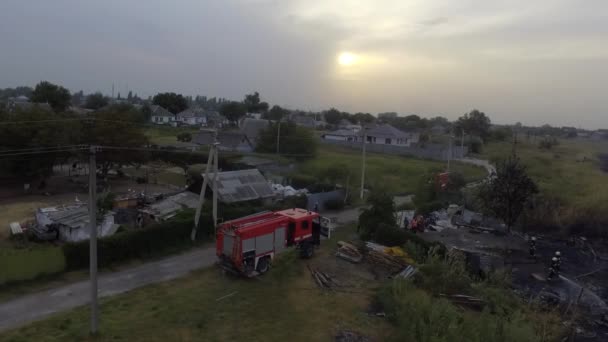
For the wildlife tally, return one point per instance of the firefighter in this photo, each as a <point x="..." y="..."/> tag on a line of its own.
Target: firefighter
<point x="553" y="270"/>
<point x="558" y="256"/>
<point x="533" y="247"/>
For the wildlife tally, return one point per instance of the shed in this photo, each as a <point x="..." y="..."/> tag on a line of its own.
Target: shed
<point x="170" y="206"/>
<point x="242" y="185"/>
<point x="71" y="222"/>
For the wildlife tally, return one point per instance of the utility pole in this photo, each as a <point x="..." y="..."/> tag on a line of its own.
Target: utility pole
<point x="450" y="151"/>
<point x="462" y="145"/>
<point x="212" y="162"/>
<point x="93" y="237"/>
<point x="278" y="135"/>
<point x="363" y="162"/>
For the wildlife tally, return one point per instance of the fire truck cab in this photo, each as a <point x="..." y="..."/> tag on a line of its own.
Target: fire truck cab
<point x="249" y="244"/>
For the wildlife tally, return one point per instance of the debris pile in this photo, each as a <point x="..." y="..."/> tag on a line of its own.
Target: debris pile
<point x="464" y="301"/>
<point x="323" y="280"/>
<point x="383" y="256"/>
<point x="349" y="252"/>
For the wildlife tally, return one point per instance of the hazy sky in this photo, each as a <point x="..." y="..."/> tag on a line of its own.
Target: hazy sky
<point x="542" y="61"/>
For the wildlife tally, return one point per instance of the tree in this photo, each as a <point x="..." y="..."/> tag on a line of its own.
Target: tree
<point x="130" y="96"/>
<point x="276" y="113"/>
<point x="333" y="116"/>
<point x="253" y="104"/>
<point x="233" y="111"/>
<point x="508" y="192"/>
<point x="77" y="98"/>
<point x="96" y="101"/>
<point x="172" y="102"/>
<point x="474" y="123"/>
<point x="363" y="118"/>
<point x="295" y="141"/>
<point x="56" y="96"/>
<point x="117" y="127"/>
<point x="380" y="213"/>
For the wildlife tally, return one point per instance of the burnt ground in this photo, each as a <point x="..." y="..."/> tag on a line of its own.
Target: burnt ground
<point x="584" y="266"/>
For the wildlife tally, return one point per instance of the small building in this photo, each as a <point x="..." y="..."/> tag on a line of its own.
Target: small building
<point x="304" y="121"/>
<point x="341" y="135"/>
<point x="70" y="223"/>
<point x="599" y="135"/>
<point x="242" y="185"/>
<point x="169" y="207"/>
<point x="161" y="116"/>
<point x="228" y="140"/>
<point x="386" y="134"/>
<point x="192" y="117"/>
<point x="252" y="128"/>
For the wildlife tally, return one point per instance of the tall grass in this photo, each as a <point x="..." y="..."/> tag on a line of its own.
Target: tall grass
<point x="29" y="263"/>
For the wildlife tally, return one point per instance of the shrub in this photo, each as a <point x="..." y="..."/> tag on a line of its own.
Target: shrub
<point x="152" y="241"/>
<point x="334" y="204"/>
<point x="389" y="235"/>
<point x="184" y="136"/>
<point x="300" y="180"/>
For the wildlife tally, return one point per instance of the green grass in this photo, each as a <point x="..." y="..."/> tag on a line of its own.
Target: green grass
<point x="399" y="174"/>
<point x="283" y="305"/>
<point x="561" y="173"/>
<point x="166" y="135"/>
<point x="29" y="263"/>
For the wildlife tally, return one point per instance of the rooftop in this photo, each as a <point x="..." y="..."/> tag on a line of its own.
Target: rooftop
<point x="242" y="185"/>
<point x="169" y="206"/>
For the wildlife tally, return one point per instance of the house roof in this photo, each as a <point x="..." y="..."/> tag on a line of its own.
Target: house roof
<point x="227" y="139"/>
<point x="169" y="206"/>
<point x="342" y="132"/>
<point x="304" y="120"/>
<point x="252" y="127"/>
<point x="386" y="130"/>
<point x="157" y="110"/>
<point x="75" y="216"/>
<point x="242" y="185"/>
<point x="191" y="113"/>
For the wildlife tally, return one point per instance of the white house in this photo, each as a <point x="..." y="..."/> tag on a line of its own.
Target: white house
<point x="386" y="134"/>
<point x="192" y="117"/>
<point x="161" y="116"/>
<point x="341" y="135"/>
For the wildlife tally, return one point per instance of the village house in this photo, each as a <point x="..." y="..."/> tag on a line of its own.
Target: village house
<point x="341" y="135"/>
<point x="228" y="140"/>
<point x="70" y="223"/>
<point x="161" y="116"/>
<point x="192" y="117"/>
<point x="386" y="134"/>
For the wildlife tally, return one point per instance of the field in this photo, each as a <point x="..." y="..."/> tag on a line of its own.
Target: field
<point x="569" y="172"/>
<point x="283" y="305"/>
<point x="399" y="174"/>
<point x="165" y="135"/>
<point x="28" y="263"/>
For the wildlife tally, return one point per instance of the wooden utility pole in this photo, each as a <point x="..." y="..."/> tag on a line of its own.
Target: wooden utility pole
<point x="212" y="162"/>
<point x="462" y="145"/>
<point x="363" y="162"/>
<point x="450" y="151"/>
<point x="278" y="135"/>
<point x="93" y="237"/>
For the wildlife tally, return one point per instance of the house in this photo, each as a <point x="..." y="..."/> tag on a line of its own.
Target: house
<point x="23" y="103"/>
<point x="341" y="135"/>
<point x="438" y="129"/>
<point x="193" y="117"/>
<point x="347" y="125"/>
<point x="161" y="116"/>
<point x="256" y="116"/>
<point x="215" y="119"/>
<point x="70" y="223"/>
<point x="386" y="134"/>
<point x="252" y="128"/>
<point x="169" y="207"/>
<point x="242" y="185"/>
<point x="229" y="141"/>
<point x="599" y="135"/>
<point x="304" y="121"/>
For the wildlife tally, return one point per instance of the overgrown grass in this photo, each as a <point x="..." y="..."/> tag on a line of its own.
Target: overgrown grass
<point x="399" y="174"/>
<point x="166" y="135"/>
<point x="28" y="263"/>
<point x="284" y="305"/>
<point x="568" y="174"/>
<point x="419" y="312"/>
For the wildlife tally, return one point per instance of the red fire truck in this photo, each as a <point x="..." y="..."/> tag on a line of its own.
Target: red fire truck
<point x="249" y="244"/>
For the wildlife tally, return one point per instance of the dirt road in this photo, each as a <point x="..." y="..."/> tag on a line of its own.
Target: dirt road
<point x="40" y="305"/>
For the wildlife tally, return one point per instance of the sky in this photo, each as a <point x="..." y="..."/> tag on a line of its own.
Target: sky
<point x="535" y="62"/>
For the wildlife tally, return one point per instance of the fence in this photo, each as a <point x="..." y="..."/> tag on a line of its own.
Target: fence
<point x="429" y="151"/>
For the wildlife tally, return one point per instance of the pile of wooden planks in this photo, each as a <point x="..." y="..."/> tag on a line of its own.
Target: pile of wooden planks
<point x="393" y="263"/>
<point x="323" y="280"/>
<point x="348" y="251"/>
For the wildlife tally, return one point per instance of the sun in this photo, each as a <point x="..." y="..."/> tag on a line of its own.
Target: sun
<point x="346" y="59"/>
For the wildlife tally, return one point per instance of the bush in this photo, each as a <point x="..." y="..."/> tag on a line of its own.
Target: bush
<point x="334" y="204"/>
<point x="29" y="263"/>
<point x="390" y="235"/>
<point x="300" y="181"/>
<point x="475" y="145"/>
<point x="184" y="136"/>
<point x="152" y="241"/>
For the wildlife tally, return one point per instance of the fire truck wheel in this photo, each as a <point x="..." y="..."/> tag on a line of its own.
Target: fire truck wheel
<point x="307" y="250"/>
<point x="263" y="265"/>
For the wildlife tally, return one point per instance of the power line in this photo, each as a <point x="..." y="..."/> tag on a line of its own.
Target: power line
<point x="72" y="149"/>
<point x="42" y="148"/>
<point x="3" y="123"/>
